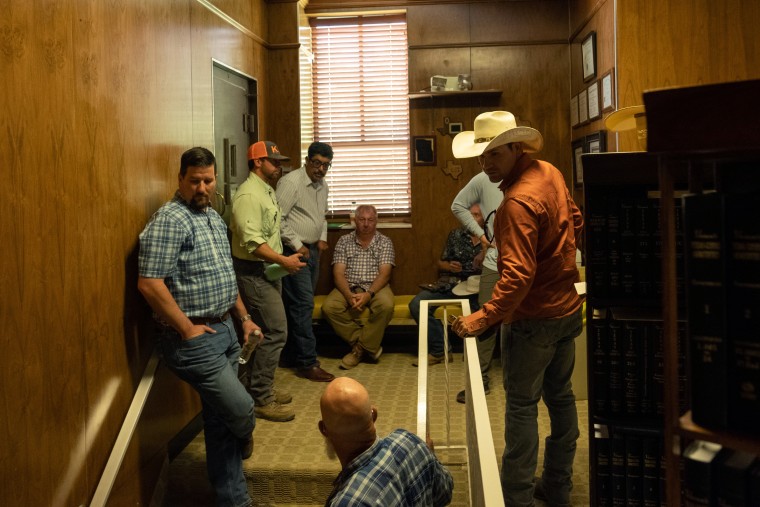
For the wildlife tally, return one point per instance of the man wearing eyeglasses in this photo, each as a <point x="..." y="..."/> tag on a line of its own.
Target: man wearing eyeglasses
<point x="302" y="195"/>
<point x="256" y="244"/>
<point x="536" y="230"/>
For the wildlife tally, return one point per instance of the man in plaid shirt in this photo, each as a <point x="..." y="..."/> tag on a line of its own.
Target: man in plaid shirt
<point x="186" y="276"/>
<point x="362" y="265"/>
<point x="399" y="470"/>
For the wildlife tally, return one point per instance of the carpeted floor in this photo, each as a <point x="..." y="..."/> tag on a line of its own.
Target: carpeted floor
<point x="289" y="465"/>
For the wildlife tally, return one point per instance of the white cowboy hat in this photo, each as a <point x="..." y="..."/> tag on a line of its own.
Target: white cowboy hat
<point x="625" y="118"/>
<point x="467" y="287"/>
<point x="493" y="129"/>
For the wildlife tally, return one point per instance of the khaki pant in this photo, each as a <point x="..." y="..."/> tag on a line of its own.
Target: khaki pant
<point x="352" y="326"/>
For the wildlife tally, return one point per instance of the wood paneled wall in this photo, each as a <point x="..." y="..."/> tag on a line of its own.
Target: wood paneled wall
<point x="99" y="100"/>
<point x="682" y="43"/>
<point x="517" y="47"/>
<point x="588" y="16"/>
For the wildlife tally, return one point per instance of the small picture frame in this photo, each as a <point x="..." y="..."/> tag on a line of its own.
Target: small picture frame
<point x="455" y="128"/>
<point x="578" y="146"/>
<point x="583" y="108"/>
<point x="574" y="111"/>
<point x="607" y="92"/>
<point x="588" y="54"/>
<point x="593" y="101"/>
<point x="596" y="142"/>
<point x="423" y="150"/>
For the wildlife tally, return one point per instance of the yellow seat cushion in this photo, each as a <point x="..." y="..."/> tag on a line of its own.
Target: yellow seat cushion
<point x="401" y="314"/>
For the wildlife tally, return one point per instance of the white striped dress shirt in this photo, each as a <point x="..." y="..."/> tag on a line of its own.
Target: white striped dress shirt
<point x="304" y="206"/>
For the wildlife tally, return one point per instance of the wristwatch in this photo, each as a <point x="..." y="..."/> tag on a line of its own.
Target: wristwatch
<point x="371" y="294"/>
<point x="245" y="317"/>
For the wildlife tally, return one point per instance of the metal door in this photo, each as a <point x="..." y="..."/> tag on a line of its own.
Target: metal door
<point x="235" y="128"/>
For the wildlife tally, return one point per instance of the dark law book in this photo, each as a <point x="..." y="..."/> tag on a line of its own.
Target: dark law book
<point x="732" y="469"/>
<point x="743" y="238"/>
<point x="602" y="463"/>
<point x="706" y="298"/>
<point x="596" y="249"/>
<point x="658" y="368"/>
<point x="615" y="366"/>
<point x="699" y="480"/>
<point x="617" y="469"/>
<point x="633" y="362"/>
<point x="646" y="270"/>
<point x="648" y="396"/>
<point x="614" y="261"/>
<point x="634" y="481"/>
<point x="599" y="365"/>
<point x="628" y="241"/>
<point x="650" y="471"/>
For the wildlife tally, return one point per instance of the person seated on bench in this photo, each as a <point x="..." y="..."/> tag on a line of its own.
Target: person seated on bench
<point x="462" y="257"/>
<point x="400" y="469"/>
<point x="362" y="265"/>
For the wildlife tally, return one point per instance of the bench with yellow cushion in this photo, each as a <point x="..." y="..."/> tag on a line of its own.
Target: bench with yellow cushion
<point x="401" y="314"/>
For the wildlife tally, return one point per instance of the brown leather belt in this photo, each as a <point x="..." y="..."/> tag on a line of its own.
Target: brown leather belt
<point x="205" y="321"/>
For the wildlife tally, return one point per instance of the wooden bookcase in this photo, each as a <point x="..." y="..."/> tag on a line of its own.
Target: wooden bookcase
<point x="623" y="297"/>
<point x="705" y="129"/>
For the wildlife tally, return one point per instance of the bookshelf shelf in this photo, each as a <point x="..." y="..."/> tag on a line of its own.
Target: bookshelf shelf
<point x="698" y="128"/>
<point x="463" y="93"/>
<point x="732" y="439"/>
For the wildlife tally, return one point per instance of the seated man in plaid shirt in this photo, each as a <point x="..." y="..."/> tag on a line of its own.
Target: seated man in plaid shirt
<point x="399" y="469"/>
<point x="362" y="265"/>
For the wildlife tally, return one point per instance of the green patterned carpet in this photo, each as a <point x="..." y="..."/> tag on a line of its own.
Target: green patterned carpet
<point x="289" y="465"/>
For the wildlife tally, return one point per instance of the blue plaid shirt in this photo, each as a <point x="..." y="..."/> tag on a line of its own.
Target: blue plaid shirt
<point x="189" y="250"/>
<point x="398" y="470"/>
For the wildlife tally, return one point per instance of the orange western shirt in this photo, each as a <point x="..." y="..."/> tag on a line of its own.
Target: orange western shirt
<point x="536" y="228"/>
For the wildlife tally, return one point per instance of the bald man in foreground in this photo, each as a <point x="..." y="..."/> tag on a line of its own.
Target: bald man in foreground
<point x="398" y="470"/>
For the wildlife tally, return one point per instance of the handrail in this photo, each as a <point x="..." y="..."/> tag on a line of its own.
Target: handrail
<point x="422" y="364"/>
<point x="482" y="469"/>
<point x="108" y="477"/>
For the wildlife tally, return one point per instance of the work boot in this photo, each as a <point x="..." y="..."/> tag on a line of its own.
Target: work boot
<point x="275" y="412"/>
<point x="353" y="358"/>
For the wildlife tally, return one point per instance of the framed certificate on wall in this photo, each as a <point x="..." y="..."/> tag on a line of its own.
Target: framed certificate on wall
<point x="583" y="107"/>
<point x="593" y="101"/>
<point x="608" y="97"/>
<point x="588" y="52"/>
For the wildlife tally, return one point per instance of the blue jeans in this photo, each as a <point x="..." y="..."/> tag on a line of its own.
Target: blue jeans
<point x="263" y="299"/>
<point x="209" y="364"/>
<point x="435" y="326"/>
<point x="538" y="357"/>
<point x="298" y="295"/>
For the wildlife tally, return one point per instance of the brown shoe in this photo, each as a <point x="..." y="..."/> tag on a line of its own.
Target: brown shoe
<point x="316" y="374"/>
<point x="434" y="360"/>
<point x="353" y="358"/>
<point x="275" y="412"/>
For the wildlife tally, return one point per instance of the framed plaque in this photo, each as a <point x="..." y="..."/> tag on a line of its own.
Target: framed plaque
<point x="588" y="52"/>
<point x="574" y="112"/>
<point x="608" y="97"/>
<point x="593" y="101"/>
<point x="583" y="107"/>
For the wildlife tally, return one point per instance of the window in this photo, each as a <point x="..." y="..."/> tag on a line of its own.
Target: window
<point x="361" y="108"/>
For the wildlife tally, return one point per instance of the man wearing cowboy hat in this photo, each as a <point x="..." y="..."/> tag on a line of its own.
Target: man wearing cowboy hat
<point x="536" y="229"/>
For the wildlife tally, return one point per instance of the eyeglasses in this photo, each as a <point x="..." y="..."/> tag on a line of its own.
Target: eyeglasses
<point x="486" y="230"/>
<point x="316" y="164"/>
<point x="276" y="163"/>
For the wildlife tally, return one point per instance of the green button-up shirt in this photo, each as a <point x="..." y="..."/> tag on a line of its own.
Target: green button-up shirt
<point x="255" y="218"/>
